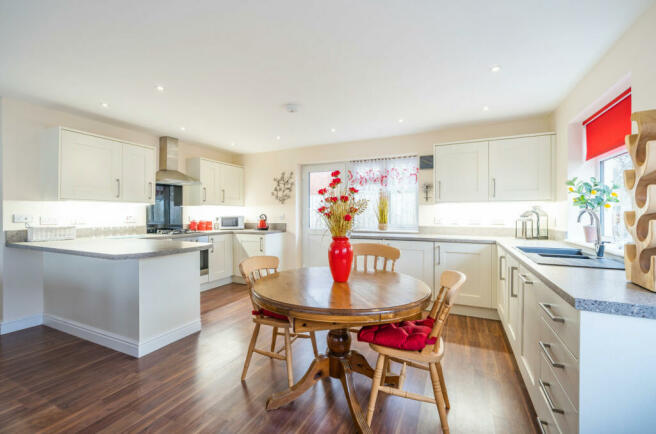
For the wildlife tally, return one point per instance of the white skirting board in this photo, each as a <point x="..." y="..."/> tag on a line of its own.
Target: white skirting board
<point x="117" y="342"/>
<point x="20" y="324"/>
<point x="214" y="284"/>
<point x="478" y="312"/>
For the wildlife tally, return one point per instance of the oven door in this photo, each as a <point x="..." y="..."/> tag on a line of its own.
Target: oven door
<point x="204" y="257"/>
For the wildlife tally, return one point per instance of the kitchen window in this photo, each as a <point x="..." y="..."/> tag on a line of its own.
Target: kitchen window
<point x="611" y="171"/>
<point x="397" y="177"/>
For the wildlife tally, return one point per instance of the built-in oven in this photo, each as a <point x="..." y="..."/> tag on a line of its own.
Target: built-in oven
<point x="204" y="254"/>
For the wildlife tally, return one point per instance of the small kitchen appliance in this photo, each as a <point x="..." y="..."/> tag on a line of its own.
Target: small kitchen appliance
<point x="232" y="222"/>
<point x="262" y="224"/>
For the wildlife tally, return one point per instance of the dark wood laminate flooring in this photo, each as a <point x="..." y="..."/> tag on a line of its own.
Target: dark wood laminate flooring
<point x="54" y="382"/>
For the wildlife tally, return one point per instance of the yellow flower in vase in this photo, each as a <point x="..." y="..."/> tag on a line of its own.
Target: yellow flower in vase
<point x="607" y="205"/>
<point x="593" y="191"/>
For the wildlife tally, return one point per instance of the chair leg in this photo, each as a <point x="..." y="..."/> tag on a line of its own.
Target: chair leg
<point x="386" y="371"/>
<point x="249" y="354"/>
<point x="274" y="337"/>
<point x="314" y="344"/>
<point x="443" y="386"/>
<point x="375" y="384"/>
<point x="402" y="376"/>
<point x="288" y="355"/>
<point x="439" y="396"/>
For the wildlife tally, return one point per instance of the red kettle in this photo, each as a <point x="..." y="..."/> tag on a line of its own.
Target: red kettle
<point x="262" y="224"/>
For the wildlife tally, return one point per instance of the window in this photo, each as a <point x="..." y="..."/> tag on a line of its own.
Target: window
<point x="395" y="176"/>
<point x="611" y="171"/>
<point x="318" y="180"/>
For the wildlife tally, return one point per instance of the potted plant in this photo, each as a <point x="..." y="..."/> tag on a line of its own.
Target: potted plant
<point x="591" y="195"/>
<point x="339" y="206"/>
<point x="382" y="210"/>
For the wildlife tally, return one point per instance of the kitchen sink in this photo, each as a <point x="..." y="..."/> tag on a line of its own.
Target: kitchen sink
<point x="569" y="257"/>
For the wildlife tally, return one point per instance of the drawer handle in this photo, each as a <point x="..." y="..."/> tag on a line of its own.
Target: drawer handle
<point x="552" y="406"/>
<point x="525" y="280"/>
<point x="501" y="259"/>
<point x="547" y="308"/>
<point x="545" y="350"/>
<point x="512" y="282"/>
<point x="542" y="424"/>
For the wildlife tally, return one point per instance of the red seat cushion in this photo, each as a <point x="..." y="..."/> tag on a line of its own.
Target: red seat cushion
<point x="405" y="335"/>
<point x="270" y="314"/>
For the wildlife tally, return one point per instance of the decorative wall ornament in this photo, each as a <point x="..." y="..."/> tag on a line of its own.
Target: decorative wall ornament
<point x="282" y="187"/>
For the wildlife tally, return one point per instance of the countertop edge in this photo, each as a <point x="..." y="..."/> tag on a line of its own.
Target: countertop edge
<point x="167" y="252"/>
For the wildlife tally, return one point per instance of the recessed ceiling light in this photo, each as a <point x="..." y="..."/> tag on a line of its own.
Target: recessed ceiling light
<point x="495" y="68"/>
<point x="277" y="137"/>
<point x="485" y="108"/>
<point x="160" y="88"/>
<point x="182" y="128"/>
<point x="332" y="130"/>
<point x="104" y="104"/>
<point x="400" y="121"/>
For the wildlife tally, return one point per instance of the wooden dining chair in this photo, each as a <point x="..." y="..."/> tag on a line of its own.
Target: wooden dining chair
<point x="379" y="252"/>
<point x="251" y="270"/>
<point x="418" y="344"/>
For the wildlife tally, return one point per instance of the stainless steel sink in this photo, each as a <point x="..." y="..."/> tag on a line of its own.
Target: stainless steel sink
<point x="569" y="257"/>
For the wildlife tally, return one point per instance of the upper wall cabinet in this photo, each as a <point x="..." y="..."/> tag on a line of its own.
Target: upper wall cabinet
<point x="84" y="166"/>
<point x="220" y="183"/>
<point x="521" y="168"/>
<point x="461" y="172"/>
<point x="514" y="168"/>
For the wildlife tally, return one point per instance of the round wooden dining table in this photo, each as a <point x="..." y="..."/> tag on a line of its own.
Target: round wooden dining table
<point x="313" y="301"/>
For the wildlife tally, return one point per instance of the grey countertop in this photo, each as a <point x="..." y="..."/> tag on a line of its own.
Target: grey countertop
<point x="108" y="248"/>
<point x="587" y="289"/>
<point x="206" y="233"/>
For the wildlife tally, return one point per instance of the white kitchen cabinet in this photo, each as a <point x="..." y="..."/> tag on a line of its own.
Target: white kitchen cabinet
<point x="138" y="181"/>
<point x="220" y="183"/>
<point x="220" y="257"/>
<point x="82" y="166"/>
<point x="530" y="355"/>
<point x="248" y="245"/>
<point x="416" y="259"/>
<point x="461" y="172"/>
<point x="502" y="283"/>
<point x="475" y="260"/>
<point x="521" y="168"/>
<point x="515" y="298"/>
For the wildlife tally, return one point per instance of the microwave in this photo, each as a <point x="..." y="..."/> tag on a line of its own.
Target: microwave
<point x="232" y="222"/>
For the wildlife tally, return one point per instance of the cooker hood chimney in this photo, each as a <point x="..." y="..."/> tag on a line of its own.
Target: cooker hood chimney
<point x="168" y="164"/>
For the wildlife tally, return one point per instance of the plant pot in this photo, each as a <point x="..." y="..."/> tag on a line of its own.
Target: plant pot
<point x="382" y="226"/>
<point x="590" y="233"/>
<point x="340" y="258"/>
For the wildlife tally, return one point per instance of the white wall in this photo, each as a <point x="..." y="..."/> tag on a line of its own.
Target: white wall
<point x="630" y="61"/>
<point x="261" y="168"/>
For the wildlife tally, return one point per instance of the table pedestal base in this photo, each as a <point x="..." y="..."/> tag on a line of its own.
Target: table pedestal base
<point x="340" y="362"/>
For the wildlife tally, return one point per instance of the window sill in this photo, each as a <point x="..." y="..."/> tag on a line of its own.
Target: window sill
<point x="611" y="249"/>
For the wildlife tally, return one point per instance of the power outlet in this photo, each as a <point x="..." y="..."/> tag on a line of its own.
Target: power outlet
<point x="21" y="218"/>
<point x="130" y="219"/>
<point x="48" y="220"/>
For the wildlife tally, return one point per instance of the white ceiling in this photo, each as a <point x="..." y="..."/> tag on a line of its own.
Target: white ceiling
<point x="228" y="67"/>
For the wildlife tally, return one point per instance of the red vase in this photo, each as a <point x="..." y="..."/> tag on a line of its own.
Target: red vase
<point x="340" y="258"/>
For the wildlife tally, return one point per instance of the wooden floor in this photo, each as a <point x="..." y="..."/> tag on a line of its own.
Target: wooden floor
<point x="53" y="382"/>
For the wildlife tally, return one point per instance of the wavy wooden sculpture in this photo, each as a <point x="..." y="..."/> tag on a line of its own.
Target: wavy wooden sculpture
<point x="640" y="257"/>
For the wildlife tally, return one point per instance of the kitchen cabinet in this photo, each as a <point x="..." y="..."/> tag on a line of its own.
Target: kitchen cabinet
<point x="248" y="245"/>
<point x="461" y="172"/>
<point x="521" y="168"/>
<point x="515" y="296"/>
<point x="82" y="166"/>
<point x="502" y="283"/>
<point x="220" y="183"/>
<point x="416" y="259"/>
<point x="475" y="260"/>
<point x="530" y="355"/>
<point x="220" y="257"/>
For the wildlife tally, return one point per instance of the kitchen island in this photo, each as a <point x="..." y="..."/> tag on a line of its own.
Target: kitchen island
<point x="132" y="295"/>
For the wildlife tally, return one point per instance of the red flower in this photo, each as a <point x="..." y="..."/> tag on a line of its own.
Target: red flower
<point x="331" y="185"/>
<point x="344" y="198"/>
<point x="348" y="217"/>
<point x="353" y="190"/>
<point x="336" y="181"/>
<point x="327" y="215"/>
<point x="335" y="174"/>
<point x="322" y="191"/>
<point x="322" y="209"/>
<point x="353" y="210"/>
<point x="332" y="199"/>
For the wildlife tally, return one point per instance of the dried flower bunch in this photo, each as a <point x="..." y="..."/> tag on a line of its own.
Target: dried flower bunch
<point x="382" y="211"/>
<point x="339" y="206"/>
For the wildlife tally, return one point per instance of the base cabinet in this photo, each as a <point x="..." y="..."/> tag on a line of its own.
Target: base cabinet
<point x="220" y="257"/>
<point x="475" y="260"/>
<point x="416" y="259"/>
<point x="248" y="245"/>
<point x="502" y="284"/>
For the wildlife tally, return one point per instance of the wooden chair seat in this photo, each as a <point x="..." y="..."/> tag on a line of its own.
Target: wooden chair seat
<point x="411" y="356"/>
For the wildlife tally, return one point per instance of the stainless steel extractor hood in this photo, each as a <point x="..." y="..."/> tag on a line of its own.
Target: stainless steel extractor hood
<point x="168" y="172"/>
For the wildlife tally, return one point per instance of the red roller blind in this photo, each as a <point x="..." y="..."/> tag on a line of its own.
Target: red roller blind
<point x="605" y="130"/>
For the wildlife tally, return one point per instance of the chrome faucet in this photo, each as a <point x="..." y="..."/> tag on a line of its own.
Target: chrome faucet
<point x="594" y="220"/>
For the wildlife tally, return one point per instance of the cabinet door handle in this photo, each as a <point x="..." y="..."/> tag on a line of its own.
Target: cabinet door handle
<point x="204" y="194"/>
<point x="552" y="406"/>
<point x="547" y="308"/>
<point x="512" y="281"/>
<point x="261" y="245"/>
<point x="150" y="190"/>
<point x="118" y="187"/>
<point x="525" y="280"/>
<point x="223" y="195"/>
<point x="545" y="350"/>
<point x="542" y="424"/>
<point x="439" y="190"/>
<point x="494" y="187"/>
<point x="501" y="259"/>
<point x="438" y="251"/>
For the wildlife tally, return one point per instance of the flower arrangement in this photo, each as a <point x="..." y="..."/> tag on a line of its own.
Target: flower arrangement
<point x="382" y="210"/>
<point x="339" y="206"/>
<point x="592" y="194"/>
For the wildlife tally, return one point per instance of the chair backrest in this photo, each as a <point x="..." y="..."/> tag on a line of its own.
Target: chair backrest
<point x="255" y="267"/>
<point x="450" y="283"/>
<point x="387" y="254"/>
